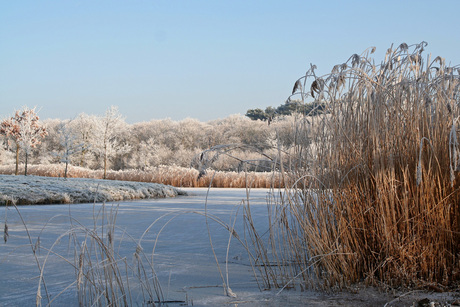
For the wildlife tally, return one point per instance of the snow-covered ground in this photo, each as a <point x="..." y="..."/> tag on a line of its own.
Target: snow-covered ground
<point x="48" y="190"/>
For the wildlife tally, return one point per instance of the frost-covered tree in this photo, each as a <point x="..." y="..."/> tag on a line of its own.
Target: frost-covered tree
<point x="51" y="143"/>
<point x="70" y="145"/>
<point x="189" y="132"/>
<point x="84" y="128"/>
<point x="6" y="156"/>
<point x="31" y="131"/>
<point x="108" y="128"/>
<point x="26" y="131"/>
<point x="145" y="154"/>
<point x="237" y="129"/>
<point x="10" y="129"/>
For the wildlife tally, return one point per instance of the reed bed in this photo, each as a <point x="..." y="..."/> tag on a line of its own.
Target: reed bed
<point x="375" y="196"/>
<point x="169" y="175"/>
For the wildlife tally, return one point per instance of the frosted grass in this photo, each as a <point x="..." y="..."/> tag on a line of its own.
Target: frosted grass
<point x="47" y="190"/>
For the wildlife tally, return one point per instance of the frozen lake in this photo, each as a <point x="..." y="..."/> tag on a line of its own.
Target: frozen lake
<point x="183" y="259"/>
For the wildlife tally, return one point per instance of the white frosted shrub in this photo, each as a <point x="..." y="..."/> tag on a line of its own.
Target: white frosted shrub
<point x="6" y="157"/>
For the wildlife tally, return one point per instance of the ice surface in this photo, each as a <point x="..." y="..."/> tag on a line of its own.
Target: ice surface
<point x="182" y="254"/>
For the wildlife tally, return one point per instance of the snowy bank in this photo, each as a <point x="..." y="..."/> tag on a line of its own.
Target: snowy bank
<point x="28" y="190"/>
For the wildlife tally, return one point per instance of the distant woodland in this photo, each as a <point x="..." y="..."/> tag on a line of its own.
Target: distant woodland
<point x="107" y="142"/>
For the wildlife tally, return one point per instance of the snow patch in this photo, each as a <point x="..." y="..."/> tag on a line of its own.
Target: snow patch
<point x="28" y="190"/>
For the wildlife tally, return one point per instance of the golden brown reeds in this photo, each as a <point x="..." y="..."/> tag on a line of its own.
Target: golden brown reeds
<point x="380" y="200"/>
<point x="169" y="175"/>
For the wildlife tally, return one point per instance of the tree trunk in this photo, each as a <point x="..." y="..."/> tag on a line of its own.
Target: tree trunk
<point x="65" y="172"/>
<point x="25" y="167"/>
<point x="105" y="166"/>
<point x="17" y="159"/>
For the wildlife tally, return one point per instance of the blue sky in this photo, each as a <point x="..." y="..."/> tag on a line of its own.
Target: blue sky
<point x="199" y="59"/>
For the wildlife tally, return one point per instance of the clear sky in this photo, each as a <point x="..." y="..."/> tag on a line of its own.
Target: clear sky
<point x="200" y="59"/>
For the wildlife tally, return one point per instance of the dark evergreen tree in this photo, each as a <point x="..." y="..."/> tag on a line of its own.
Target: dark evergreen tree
<point x="288" y="108"/>
<point x="256" y="114"/>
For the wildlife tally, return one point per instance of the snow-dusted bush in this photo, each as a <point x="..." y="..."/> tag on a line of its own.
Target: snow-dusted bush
<point x="6" y="156"/>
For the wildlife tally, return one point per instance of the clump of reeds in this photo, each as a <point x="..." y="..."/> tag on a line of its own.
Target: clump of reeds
<point x="170" y="175"/>
<point x="377" y="198"/>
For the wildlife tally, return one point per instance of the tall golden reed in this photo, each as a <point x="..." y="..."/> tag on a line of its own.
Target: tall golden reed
<point x="376" y="196"/>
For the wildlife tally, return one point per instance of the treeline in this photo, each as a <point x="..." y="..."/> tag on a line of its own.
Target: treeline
<point x="106" y="142"/>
